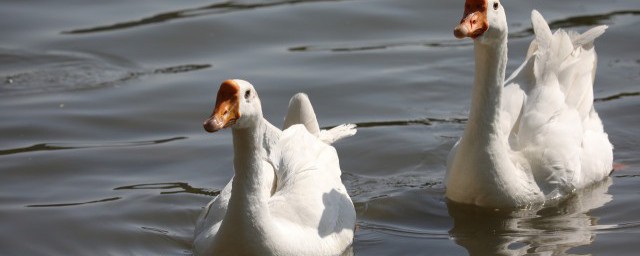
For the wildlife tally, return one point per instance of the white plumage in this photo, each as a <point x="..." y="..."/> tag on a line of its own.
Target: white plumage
<point x="537" y="138"/>
<point x="286" y="197"/>
<point x="301" y="112"/>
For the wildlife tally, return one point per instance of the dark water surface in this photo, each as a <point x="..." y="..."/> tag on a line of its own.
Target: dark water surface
<point x="102" y="151"/>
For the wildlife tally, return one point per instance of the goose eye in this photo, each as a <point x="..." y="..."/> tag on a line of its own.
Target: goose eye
<point x="495" y="6"/>
<point x="247" y="94"/>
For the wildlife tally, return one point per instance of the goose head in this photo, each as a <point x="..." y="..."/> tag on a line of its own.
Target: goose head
<point x="483" y="20"/>
<point x="237" y="106"/>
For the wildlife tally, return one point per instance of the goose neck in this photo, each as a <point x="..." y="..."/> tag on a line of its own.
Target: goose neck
<point x="250" y="190"/>
<point x="490" y="65"/>
<point x="249" y="159"/>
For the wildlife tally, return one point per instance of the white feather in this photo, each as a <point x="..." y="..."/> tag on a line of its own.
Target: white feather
<point x="301" y="112"/>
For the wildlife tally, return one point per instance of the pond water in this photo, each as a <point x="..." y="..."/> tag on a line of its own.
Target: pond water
<point x="102" y="150"/>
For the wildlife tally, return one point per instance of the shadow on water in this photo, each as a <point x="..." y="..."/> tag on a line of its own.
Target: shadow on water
<point x="549" y="230"/>
<point x="52" y="147"/>
<point x="218" y="8"/>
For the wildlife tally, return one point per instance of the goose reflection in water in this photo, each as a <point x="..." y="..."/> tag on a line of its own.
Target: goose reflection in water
<point x="545" y="230"/>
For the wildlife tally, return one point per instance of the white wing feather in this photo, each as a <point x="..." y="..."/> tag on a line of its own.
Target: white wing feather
<point x="300" y="111"/>
<point x="548" y="110"/>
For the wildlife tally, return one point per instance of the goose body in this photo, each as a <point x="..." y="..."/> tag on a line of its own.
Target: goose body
<point x="286" y="197"/>
<point x="538" y="138"/>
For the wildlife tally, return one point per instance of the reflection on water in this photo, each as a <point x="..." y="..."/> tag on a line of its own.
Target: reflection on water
<point x="551" y="230"/>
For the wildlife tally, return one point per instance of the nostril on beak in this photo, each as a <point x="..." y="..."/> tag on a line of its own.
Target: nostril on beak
<point x="209" y="125"/>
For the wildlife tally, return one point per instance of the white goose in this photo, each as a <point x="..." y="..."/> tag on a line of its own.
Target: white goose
<point x="537" y="138"/>
<point x="286" y="197"/>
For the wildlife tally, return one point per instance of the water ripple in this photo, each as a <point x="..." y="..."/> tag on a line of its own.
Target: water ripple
<point x="382" y="46"/>
<point x="579" y="21"/>
<point x="403" y="231"/>
<point x="627" y="176"/>
<point x="218" y="8"/>
<point x="425" y="121"/>
<point x="591" y="20"/>
<point x="53" y="146"/>
<point x="80" y="76"/>
<point x="617" y="96"/>
<point x="180" y="69"/>
<point x="76" y="204"/>
<point x="155" y="230"/>
<point x="175" y="187"/>
<point x="576" y="21"/>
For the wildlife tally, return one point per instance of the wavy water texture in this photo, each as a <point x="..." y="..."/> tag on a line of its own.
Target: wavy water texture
<point x="404" y="231"/>
<point x="424" y="121"/>
<point x="218" y="8"/>
<point x="102" y="148"/>
<point x="575" y="21"/>
<point x="165" y="188"/>
<point x="174" y="187"/>
<point x="69" y="146"/>
<point x="75" y="204"/>
<point x="440" y="43"/>
<point x="618" y="96"/>
<point x="579" y="21"/>
<point x="33" y="73"/>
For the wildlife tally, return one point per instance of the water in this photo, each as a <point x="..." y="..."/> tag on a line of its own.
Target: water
<point x="102" y="149"/>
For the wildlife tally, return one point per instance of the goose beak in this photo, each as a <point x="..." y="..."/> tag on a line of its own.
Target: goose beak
<point x="226" y="111"/>
<point x="474" y="21"/>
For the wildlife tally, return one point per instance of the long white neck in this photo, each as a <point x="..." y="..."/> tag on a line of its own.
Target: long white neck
<point x="250" y="190"/>
<point x="484" y="116"/>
